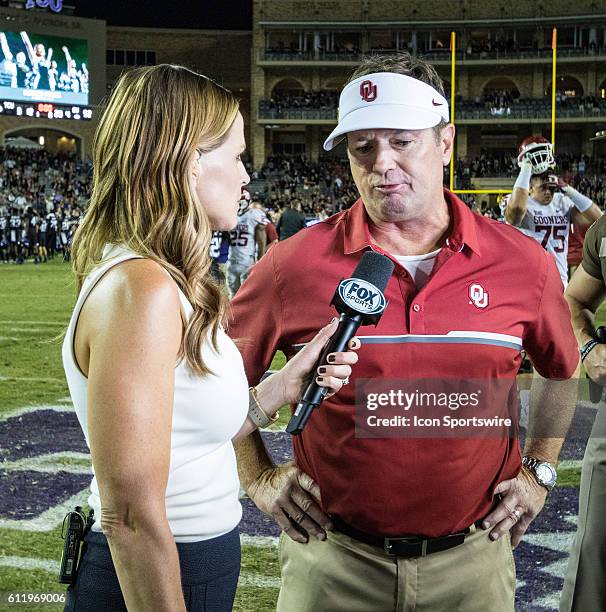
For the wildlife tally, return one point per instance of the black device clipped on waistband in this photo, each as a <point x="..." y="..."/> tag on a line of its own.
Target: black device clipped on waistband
<point x="75" y="526"/>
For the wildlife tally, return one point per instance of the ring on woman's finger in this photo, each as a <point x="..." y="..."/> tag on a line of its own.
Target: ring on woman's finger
<point x="515" y="515"/>
<point x="345" y="381"/>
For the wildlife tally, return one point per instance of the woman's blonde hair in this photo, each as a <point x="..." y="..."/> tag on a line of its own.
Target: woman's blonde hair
<point x="154" y="121"/>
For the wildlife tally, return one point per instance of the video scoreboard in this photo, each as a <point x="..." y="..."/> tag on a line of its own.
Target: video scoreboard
<point x="46" y="110"/>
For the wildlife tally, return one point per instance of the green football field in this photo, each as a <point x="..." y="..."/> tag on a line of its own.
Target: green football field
<point x="35" y="304"/>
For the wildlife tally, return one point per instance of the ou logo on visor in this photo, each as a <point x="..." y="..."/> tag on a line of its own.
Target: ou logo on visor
<point x="478" y="296"/>
<point x="362" y="296"/>
<point x="368" y="91"/>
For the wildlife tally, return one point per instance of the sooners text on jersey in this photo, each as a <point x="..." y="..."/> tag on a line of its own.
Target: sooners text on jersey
<point x="550" y="226"/>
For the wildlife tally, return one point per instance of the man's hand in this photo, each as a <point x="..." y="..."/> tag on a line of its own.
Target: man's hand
<point x="562" y="184"/>
<point x="595" y="364"/>
<point x="291" y="498"/>
<point x="522" y="496"/>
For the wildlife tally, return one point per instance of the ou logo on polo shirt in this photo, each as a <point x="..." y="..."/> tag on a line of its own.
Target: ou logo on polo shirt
<point x="478" y="296"/>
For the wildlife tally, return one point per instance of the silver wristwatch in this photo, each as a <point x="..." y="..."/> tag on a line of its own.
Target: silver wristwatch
<point x="545" y="474"/>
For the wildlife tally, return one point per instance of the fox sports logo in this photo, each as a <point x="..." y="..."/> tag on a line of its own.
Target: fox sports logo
<point x="361" y="296"/>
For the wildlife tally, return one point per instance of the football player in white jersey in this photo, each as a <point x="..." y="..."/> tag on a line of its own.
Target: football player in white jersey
<point x="247" y="244"/>
<point x="543" y="206"/>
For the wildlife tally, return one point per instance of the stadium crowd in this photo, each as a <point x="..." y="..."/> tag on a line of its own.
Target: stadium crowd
<point x="504" y="45"/>
<point x="292" y="48"/>
<point x="326" y="184"/>
<point x="582" y="172"/>
<point x="500" y="102"/>
<point x="320" y="100"/>
<point x="43" y="196"/>
<point x="509" y="103"/>
<point x="491" y="163"/>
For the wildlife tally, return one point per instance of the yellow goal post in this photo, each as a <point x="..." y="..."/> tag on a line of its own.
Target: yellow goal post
<point x="453" y="62"/>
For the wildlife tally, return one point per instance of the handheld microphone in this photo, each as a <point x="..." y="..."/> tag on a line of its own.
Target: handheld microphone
<point x="360" y="301"/>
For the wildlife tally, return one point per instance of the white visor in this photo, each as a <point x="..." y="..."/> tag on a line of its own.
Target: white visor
<point x="387" y="100"/>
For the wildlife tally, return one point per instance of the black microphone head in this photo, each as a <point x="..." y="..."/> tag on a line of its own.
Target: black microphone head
<point x="362" y="292"/>
<point x="375" y="269"/>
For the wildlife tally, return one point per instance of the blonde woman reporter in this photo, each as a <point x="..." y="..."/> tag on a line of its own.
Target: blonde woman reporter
<point x="159" y="389"/>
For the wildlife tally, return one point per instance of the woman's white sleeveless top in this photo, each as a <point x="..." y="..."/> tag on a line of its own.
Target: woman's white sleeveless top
<point x="202" y="490"/>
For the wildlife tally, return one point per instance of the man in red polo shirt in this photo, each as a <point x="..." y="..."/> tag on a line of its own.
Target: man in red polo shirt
<point x="460" y="307"/>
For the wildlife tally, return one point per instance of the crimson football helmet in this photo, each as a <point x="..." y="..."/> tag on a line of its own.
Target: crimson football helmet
<point x="539" y="152"/>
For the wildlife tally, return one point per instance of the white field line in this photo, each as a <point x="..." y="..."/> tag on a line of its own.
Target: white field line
<point x="48" y="565"/>
<point x="17" y="412"/>
<point x="572" y="519"/>
<point x="259" y="581"/>
<point x="569" y="464"/>
<point x="558" y="569"/>
<point x="259" y="541"/>
<point x="30" y="322"/>
<point x="562" y="542"/>
<point x="27" y="563"/>
<point x="29" y="378"/>
<point x="49" y="519"/>
<point x="11" y="338"/>
<point x="276" y="429"/>
<point x="558" y="541"/>
<point x="547" y="602"/>
<point x="50" y="463"/>
<point x="587" y="405"/>
<point x="31" y="330"/>
<point x="29" y="296"/>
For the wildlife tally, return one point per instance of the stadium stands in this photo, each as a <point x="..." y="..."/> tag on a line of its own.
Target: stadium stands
<point x="42" y="198"/>
<point x="506" y="104"/>
<point x="44" y="193"/>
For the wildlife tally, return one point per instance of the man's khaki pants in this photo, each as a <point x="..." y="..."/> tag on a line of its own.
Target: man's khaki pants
<point x="585" y="583"/>
<point x="342" y="574"/>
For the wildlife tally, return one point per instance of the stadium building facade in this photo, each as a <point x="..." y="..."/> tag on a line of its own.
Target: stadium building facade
<point x="289" y="69"/>
<point x="503" y="67"/>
